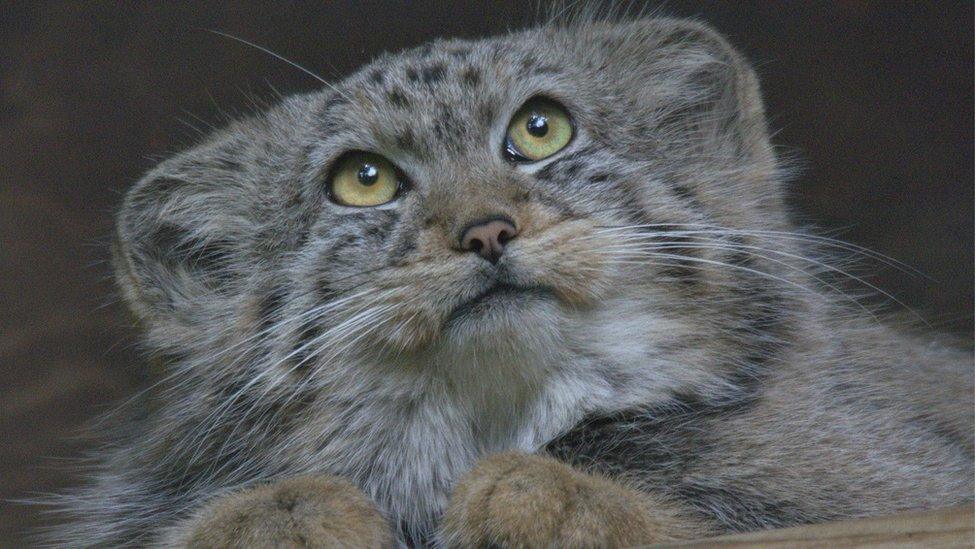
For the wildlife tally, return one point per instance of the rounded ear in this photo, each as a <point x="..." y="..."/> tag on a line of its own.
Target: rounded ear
<point x="179" y="237"/>
<point x="190" y="232"/>
<point x="697" y="89"/>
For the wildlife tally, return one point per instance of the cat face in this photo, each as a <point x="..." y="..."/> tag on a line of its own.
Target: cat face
<point x="463" y="194"/>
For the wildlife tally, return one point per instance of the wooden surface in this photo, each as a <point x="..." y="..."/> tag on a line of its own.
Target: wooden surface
<point x="931" y="529"/>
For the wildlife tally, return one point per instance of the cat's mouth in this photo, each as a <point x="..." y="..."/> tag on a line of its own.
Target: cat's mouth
<point x="497" y="298"/>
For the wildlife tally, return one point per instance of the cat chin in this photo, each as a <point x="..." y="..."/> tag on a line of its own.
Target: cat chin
<point x="503" y="318"/>
<point x="506" y="320"/>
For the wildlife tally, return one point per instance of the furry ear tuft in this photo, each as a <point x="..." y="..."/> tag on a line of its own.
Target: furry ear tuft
<point x="173" y="253"/>
<point x="695" y="87"/>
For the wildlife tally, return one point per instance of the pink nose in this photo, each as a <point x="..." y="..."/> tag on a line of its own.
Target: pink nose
<point x="488" y="238"/>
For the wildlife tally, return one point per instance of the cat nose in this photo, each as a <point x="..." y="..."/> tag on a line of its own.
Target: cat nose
<point x="488" y="238"/>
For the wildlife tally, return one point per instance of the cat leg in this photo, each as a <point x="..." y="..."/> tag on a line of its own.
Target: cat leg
<point x="521" y="500"/>
<point x="320" y="511"/>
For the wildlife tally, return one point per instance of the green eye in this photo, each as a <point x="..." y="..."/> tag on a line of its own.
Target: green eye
<point x="364" y="179"/>
<point x="540" y="129"/>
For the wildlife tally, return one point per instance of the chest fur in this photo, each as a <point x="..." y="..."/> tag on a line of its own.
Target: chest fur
<point x="411" y="445"/>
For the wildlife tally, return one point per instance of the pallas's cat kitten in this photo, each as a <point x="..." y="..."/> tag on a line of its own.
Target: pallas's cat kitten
<point x="535" y="290"/>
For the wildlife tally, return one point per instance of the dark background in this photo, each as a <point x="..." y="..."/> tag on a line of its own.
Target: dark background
<point x="874" y="98"/>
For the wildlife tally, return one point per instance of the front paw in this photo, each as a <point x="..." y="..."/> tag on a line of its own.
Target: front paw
<point x="520" y="500"/>
<point x="299" y="512"/>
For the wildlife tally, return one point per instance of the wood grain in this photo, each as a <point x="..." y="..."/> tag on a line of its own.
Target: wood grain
<point x="941" y="528"/>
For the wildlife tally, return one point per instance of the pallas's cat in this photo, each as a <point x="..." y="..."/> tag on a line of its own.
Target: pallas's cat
<point x="535" y="290"/>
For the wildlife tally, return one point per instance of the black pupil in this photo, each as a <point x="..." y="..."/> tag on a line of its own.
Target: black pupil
<point x="368" y="174"/>
<point x="538" y="125"/>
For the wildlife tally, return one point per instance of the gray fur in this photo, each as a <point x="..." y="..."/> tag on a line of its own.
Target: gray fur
<point x="685" y="335"/>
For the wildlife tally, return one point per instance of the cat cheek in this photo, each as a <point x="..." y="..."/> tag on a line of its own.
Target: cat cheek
<point x="566" y="258"/>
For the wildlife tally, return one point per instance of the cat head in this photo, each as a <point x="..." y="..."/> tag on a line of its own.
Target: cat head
<point x="466" y="193"/>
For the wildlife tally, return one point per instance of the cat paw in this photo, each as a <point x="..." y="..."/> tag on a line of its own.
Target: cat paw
<point x="520" y="500"/>
<point x="299" y="512"/>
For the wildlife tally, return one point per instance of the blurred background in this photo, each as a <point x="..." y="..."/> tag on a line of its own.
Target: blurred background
<point x="875" y="100"/>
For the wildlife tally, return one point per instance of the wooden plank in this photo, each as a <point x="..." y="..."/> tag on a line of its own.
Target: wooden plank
<point x="941" y="528"/>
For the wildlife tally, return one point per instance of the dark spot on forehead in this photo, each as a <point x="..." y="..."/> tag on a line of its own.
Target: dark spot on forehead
<point x="376" y="77"/>
<point x="486" y="114"/>
<point x="412" y="74"/>
<point x="599" y="177"/>
<point x="445" y="125"/>
<point x="397" y="98"/>
<point x="432" y="73"/>
<point x="471" y="77"/>
<point x="406" y="139"/>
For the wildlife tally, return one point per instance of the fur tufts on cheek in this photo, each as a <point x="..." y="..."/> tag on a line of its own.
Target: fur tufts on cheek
<point x="566" y="258"/>
<point x="559" y="268"/>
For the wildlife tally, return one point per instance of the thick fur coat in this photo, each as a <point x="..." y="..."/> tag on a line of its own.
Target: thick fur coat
<point x="670" y="358"/>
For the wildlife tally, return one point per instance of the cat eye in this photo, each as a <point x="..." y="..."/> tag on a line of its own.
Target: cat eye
<point x="363" y="179"/>
<point x="539" y="129"/>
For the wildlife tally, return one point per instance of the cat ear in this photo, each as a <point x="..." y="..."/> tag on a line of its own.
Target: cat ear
<point x="690" y="85"/>
<point x="178" y="247"/>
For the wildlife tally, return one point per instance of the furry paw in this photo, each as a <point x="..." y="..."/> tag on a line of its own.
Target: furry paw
<point x="520" y="500"/>
<point x="298" y="512"/>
